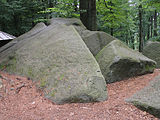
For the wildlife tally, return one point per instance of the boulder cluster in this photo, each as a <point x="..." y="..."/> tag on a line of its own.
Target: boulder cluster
<point x="71" y="63"/>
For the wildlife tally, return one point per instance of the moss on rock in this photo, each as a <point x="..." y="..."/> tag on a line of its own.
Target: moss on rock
<point x="118" y="62"/>
<point x="58" y="59"/>
<point x="152" y="51"/>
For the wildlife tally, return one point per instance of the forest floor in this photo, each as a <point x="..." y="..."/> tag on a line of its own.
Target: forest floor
<point x="20" y="100"/>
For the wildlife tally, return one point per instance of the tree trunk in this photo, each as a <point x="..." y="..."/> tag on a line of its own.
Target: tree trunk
<point x="140" y="29"/>
<point x="127" y="42"/>
<point x="151" y="26"/>
<point x="112" y="31"/>
<point x="155" y="23"/>
<point x="132" y="39"/>
<point x="50" y="4"/>
<point x="148" y="31"/>
<point x="88" y="13"/>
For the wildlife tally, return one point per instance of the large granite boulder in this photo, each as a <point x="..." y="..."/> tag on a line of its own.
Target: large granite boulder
<point x="36" y="29"/>
<point x="152" y="51"/>
<point x="60" y="62"/>
<point x="69" y="21"/>
<point x="95" y="40"/>
<point x="148" y="98"/>
<point x="117" y="62"/>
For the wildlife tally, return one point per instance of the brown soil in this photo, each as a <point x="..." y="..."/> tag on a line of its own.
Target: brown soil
<point x="20" y="100"/>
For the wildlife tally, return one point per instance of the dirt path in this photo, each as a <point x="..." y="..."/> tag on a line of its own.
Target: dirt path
<point x="20" y="100"/>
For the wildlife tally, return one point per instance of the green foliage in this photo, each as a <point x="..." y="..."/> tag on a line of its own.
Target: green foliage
<point x="17" y="16"/>
<point x="156" y="38"/>
<point x="121" y="16"/>
<point x="64" y="8"/>
<point x="110" y="13"/>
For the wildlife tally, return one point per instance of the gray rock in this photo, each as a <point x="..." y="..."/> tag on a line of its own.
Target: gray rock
<point x="96" y="40"/>
<point x="152" y="51"/>
<point x="69" y="21"/>
<point x="62" y="64"/>
<point x="36" y="29"/>
<point x="1" y="84"/>
<point x="148" y="98"/>
<point x="117" y="62"/>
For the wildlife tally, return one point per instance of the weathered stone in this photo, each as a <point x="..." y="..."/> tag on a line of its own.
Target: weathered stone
<point x="60" y="61"/>
<point x="1" y="84"/>
<point x="148" y="98"/>
<point x="96" y="40"/>
<point x="69" y="21"/>
<point x="117" y="62"/>
<point x="152" y="51"/>
<point x="36" y="29"/>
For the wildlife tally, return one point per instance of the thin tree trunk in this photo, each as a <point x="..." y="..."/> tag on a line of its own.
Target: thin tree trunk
<point x="155" y="23"/>
<point x="50" y="4"/>
<point x="111" y="11"/>
<point x="148" y="31"/>
<point x="112" y="31"/>
<point x="140" y="30"/>
<point x="132" y="39"/>
<point x="151" y="26"/>
<point x="127" y="42"/>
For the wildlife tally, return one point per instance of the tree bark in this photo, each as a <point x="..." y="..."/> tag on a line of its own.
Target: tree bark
<point x="127" y="42"/>
<point x="112" y="31"/>
<point x="132" y="40"/>
<point x="148" y="31"/>
<point x="50" y="4"/>
<point x="111" y="11"/>
<point x="140" y="30"/>
<point x="151" y="26"/>
<point x="88" y="13"/>
<point x="155" y="23"/>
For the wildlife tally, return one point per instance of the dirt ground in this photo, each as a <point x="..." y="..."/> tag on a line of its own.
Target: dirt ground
<point x="20" y="100"/>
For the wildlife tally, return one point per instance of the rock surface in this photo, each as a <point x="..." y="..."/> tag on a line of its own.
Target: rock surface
<point x="60" y="61"/>
<point x="118" y="62"/>
<point x="69" y="21"/>
<point x="36" y="29"/>
<point x="148" y="99"/>
<point x="152" y="51"/>
<point x="1" y="84"/>
<point x="5" y="49"/>
<point x="96" y="40"/>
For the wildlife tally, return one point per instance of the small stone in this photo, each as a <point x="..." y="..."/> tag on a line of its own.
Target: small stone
<point x="11" y="89"/>
<point x="71" y="114"/>
<point x="18" y="78"/>
<point x="1" y="84"/>
<point x="5" y="78"/>
<point x="33" y="103"/>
